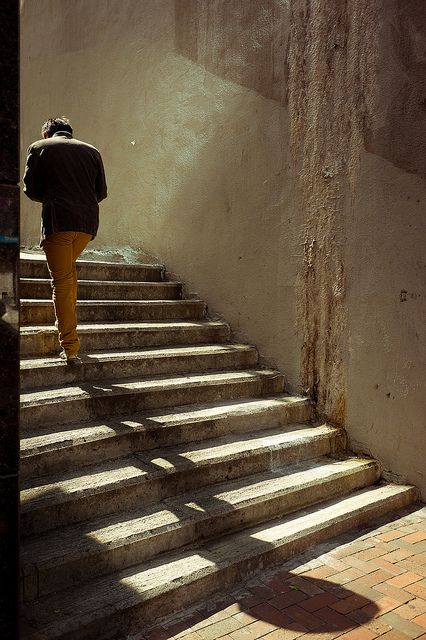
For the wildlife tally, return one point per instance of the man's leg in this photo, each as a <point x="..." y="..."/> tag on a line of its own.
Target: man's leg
<point x="61" y="255"/>
<point x="79" y="244"/>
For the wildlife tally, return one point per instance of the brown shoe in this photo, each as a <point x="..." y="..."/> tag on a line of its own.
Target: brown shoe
<point x="70" y="359"/>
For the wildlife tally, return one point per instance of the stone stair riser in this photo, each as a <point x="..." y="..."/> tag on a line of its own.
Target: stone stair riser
<point x="64" y="458"/>
<point x="45" y="343"/>
<point x="100" y="406"/>
<point x="98" y="271"/>
<point x="135" y="492"/>
<point x="128" y="367"/>
<point x="34" y="312"/>
<point x="39" y="289"/>
<point x="109" y="559"/>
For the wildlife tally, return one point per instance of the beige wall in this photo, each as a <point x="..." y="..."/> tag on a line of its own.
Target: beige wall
<point x="273" y="158"/>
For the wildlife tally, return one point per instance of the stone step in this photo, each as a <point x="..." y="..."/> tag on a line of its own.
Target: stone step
<point x="128" y="600"/>
<point x="88" y="401"/>
<point x="114" y="364"/>
<point x="36" y="288"/>
<point x="62" y="448"/>
<point x="43" y="339"/>
<point x="41" y="311"/>
<point x="80" y="553"/>
<point x="91" y="270"/>
<point x="147" y="477"/>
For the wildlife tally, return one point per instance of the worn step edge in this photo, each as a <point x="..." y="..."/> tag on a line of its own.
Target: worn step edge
<point x="148" y="477"/>
<point x="60" y="449"/>
<point x="109" y="398"/>
<point x="90" y="269"/>
<point x="41" y="311"/>
<point x="37" y="288"/>
<point x="125" y="601"/>
<point x="44" y="372"/>
<point x="69" y="556"/>
<point x="43" y="340"/>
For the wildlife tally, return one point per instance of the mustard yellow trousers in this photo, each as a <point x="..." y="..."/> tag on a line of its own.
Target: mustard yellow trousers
<point x="62" y="250"/>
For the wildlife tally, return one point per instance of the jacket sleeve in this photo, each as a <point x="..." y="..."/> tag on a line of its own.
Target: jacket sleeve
<point x="33" y="181"/>
<point x="101" y="185"/>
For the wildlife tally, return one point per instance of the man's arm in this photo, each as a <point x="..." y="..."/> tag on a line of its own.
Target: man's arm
<point x="33" y="183"/>
<point x="101" y="185"/>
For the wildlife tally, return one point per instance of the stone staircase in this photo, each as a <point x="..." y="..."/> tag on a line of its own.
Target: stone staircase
<point x="168" y="466"/>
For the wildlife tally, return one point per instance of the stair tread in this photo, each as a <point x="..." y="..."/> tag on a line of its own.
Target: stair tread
<point x="42" y="258"/>
<point x="52" y="437"/>
<point x="120" y="529"/>
<point x="145" y="465"/>
<point x="130" y="385"/>
<point x="139" y="354"/>
<point x="91" y="303"/>
<point x="122" y="590"/>
<point x="93" y="327"/>
<point x="132" y="283"/>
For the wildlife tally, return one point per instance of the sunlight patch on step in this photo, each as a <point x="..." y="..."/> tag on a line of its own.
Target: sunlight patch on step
<point x="170" y="572"/>
<point x="136" y="526"/>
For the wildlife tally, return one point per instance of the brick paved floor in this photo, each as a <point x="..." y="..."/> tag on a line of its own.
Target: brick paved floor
<point x="366" y="584"/>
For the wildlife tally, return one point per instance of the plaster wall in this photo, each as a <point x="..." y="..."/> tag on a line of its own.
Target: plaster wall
<point x="271" y="153"/>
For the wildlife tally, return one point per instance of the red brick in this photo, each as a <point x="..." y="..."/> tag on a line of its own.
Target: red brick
<point x="374" y="624"/>
<point x="370" y="554"/>
<point x="361" y="633"/>
<point x="392" y="592"/>
<point x="404" y="579"/>
<point x="391" y="535"/>
<point x="361" y="565"/>
<point x="378" y="576"/>
<point x="248" y="601"/>
<point x="304" y="584"/>
<point x="412" y="538"/>
<point x="193" y="635"/>
<point x="335" y="620"/>
<point x="420" y="620"/>
<point x="219" y="629"/>
<point x="388" y="566"/>
<point x="319" y="601"/>
<point x="419" y="558"/>
<point x="412" y="609"/>
<point x="277" y="584"/>
<point x="346" y="576"/>
<point x="418" y="589"/>
<point x="245" y="617"/>
<point x="262" y="591"/>
<point x="285" y="600"/>
<point x="267" y="612"/>
<point x="397" y="555"/>
<point x="375" y="609"/>
<point x="337" y="564"/>
<point x="319" y="573"/>
<point x="395" y="635"/>
<point x="350" y="604"/>
<point x="304" y="618"/>
<point x="290" y="633"/>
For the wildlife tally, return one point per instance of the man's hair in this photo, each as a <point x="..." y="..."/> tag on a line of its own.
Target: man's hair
<point x="53" y="125"/>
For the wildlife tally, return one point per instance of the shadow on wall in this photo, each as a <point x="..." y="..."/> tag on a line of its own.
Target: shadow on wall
<point x="402" y="89"/>
<point x="244" y="42"/>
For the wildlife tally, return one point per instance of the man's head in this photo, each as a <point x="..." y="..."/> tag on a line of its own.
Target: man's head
<point x="53" y="125"/>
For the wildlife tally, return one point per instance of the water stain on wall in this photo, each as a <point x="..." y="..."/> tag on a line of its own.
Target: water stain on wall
<point x="331" y="72"/>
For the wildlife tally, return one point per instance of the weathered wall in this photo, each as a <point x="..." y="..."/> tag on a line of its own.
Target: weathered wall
<point x="272" y="156"/>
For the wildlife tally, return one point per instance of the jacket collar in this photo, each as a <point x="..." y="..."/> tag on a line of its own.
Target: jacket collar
<point x="65" y="134"/>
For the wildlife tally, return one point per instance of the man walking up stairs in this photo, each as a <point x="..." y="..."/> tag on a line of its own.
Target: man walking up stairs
<point x="169" y="465"/>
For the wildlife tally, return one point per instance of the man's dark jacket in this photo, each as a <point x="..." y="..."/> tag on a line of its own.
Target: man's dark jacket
<point x="67" y="176"/>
